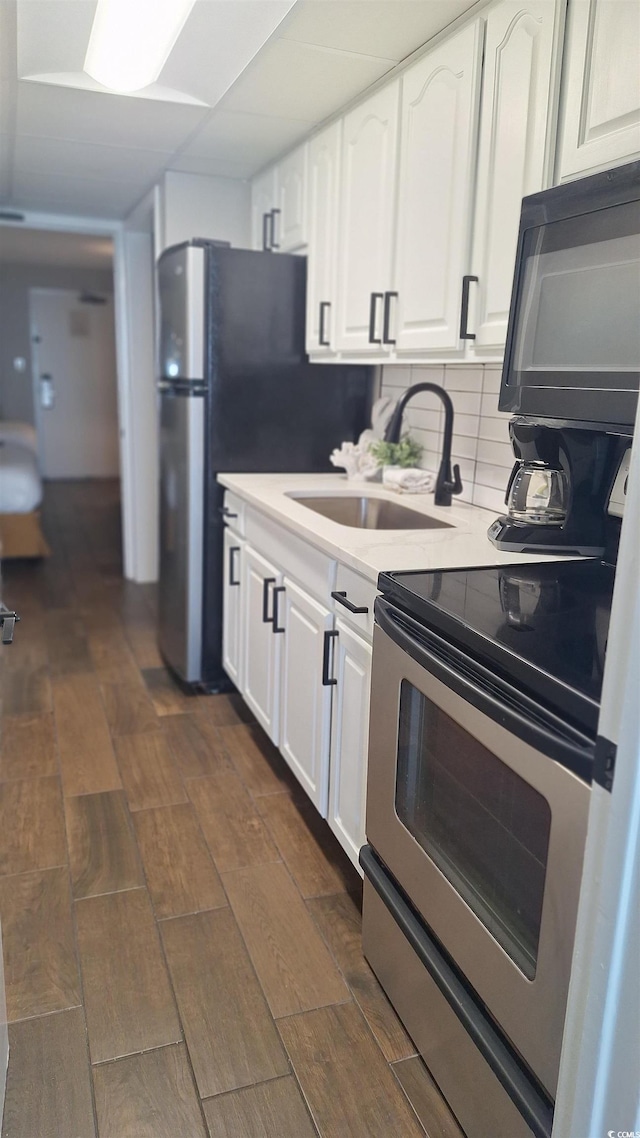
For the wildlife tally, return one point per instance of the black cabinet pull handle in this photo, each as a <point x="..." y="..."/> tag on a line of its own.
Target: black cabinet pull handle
<point x="7" y="624"/>
<point x="387" y="317"/>
<point x="233" y="549"/>
<point x="266" y="248"/>
<point x="325" y="305"/>
<point x="274" y="620"/>
<point x="266" y="581"/>
<point x="373" y="304"/>
<point x="464" y="311"/>
<point x="226" y="512"/>
<point x="330" y="633"/>
<point x="273" y="244"/>
<point x="341" y="597"/>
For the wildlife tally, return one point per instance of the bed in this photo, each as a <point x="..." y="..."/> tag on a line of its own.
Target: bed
<point x="20" y="493"/>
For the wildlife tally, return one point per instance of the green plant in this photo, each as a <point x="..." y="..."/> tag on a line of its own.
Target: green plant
<point x="405" y="453"/>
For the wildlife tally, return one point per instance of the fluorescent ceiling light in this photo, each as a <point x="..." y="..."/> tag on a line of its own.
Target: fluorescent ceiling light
<point x="131" y="41"/>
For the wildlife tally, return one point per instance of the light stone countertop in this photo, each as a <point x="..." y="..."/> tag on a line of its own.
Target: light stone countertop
<point x="370" y="552"/>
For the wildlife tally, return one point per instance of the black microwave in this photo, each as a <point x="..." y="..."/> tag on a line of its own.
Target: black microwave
<point x="573" y="339"/>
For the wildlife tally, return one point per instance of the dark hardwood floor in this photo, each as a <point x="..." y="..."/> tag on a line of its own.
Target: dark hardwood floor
<point x="181" y="930"/>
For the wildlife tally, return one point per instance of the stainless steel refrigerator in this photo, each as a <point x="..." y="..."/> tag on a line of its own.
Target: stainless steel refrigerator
<point x="237" y="393"/>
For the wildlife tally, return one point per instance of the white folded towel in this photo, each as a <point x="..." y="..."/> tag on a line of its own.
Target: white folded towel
<point x="408" y="479"/>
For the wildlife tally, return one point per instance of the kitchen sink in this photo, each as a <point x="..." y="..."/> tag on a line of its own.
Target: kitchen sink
<point x="368" y="513"/>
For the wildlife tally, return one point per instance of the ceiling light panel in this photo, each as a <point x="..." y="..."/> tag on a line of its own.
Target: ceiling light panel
<point x="131" y="41"/>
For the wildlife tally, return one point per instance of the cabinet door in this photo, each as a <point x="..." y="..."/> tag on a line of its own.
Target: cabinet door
<point x="517" y="101"/>
<point x="289" y="231"/>
<point x="322" y="212"/>
<point x="305" y="703"/>
<point x="601" y="86"/>
<point x="349" y="740"/>
<point x="440" y="104"/>
<point x="233" y="547"/>
<point x="260" y="645"/>
<point x="367" y="205"/>
<point x="263" y="200"/>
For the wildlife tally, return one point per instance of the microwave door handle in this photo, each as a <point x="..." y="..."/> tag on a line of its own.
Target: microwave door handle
<point x="489" y="693"/>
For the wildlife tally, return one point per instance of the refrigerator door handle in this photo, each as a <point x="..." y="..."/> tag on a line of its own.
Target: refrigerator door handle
<point x="266" y="581"/>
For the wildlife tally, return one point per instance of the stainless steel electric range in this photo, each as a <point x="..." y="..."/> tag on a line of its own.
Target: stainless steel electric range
<point x="485" y="696"/>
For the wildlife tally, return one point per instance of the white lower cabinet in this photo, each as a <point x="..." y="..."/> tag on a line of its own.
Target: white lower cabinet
<point x="261" y="647"/>
<point x="233" y="553"/>
<point x="305" y="701"/>
<point x="349" y="739"/>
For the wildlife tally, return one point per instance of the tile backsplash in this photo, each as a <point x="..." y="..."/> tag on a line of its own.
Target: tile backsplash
<point x="481" y="444"/>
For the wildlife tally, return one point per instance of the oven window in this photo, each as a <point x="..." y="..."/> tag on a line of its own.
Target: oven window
<point x="485" y="828"/>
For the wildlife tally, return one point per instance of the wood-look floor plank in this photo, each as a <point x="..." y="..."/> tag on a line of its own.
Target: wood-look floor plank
<point x="426" y="1100"/>
<point x="232" y="1039"/>
<point x="259" y="764"/>
<point x="180" y="873"/>
<point x="129" y="709"/>
<point x="168" y="699"/>
<point x="196" y="745"/>
<point x="288" y="954"/>
<point x="149" y="773"/>
<point x="87" y="760"/>
<point x="49" y="1079"/>
<point x="143" y="639"/>
<point x="225" y="710"/>
<point x="112" y="657"/>
<point x="41" y="971"/>
<point x="127" y="995"/>
<point x="316" y="862"/>
<point x="27" y="748"/>
<point x="26" y="683"/>
<point x="347" y="1083"/>
<point x="340" y="922"/>
<point x="31" y="825"/>
<point x="66" y="643"/>
<point x="233" y="830"/>
<point x="148" y="1096"/>
<point x="269" y="1110"/>
<point x="102" y="848"/>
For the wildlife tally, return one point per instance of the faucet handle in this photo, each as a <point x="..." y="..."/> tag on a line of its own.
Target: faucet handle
<point x="457" y="483"/>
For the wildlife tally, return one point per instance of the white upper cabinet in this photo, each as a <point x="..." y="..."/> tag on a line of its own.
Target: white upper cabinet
<point x="323" y="184"/>
<point x="600" y="120"/>
<point x="263" y="200"/>
<point x="514" y="151"/>
<point x="440" y="104"/>
<point x="289" y="230"/>
<point x="367" y="208"/>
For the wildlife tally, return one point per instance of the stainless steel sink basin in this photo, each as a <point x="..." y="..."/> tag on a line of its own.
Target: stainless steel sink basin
<point x="368" y="513"/>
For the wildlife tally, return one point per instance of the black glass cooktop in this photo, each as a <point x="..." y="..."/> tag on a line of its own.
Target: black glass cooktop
<point x="543" y="625"/>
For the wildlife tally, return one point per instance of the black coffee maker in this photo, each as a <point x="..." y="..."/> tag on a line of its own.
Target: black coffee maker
<point x="559" y="488"/>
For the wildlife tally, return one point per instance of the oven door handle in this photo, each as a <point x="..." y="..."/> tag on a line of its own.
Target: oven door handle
<point x="487" y="691"/>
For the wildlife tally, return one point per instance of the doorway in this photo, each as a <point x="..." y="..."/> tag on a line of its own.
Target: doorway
<point x="74" y="383"/>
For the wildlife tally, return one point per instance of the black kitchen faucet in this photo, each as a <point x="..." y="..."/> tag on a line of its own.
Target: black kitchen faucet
<point x="446" y="482"/>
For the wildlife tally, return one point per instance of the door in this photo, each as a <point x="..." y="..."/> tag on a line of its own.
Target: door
<point x="517" y="106"/>
<point x="349" y="740"/>
<point x="323" y="187"/>
<point x="305" y="703"/>
<point x="181" y="532"/>
<point x="440" y="105"/>
<point x="600" y="122"/>
<point x="260" y="675"/>
<point x="289" y="229"/>
<point x="233" y="550"/>
<point x="367" y="205"/>
<point x="75" y="384"/>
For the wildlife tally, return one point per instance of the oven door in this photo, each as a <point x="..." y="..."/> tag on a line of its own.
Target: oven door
<point x="482" y="830"/>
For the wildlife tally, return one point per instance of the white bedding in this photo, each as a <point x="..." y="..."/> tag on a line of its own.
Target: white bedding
<point x="22" y="433"/>
<point x="20" y="483"/>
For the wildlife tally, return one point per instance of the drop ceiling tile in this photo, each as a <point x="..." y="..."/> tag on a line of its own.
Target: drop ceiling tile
<point x="83" y="197"/>
<point x="7" y="106"/>
<point x="391" y="29"/>
<point x="113" y="120"/>
<point x="235" y="137"/>
<point x="212" y="167"/>
<point x="86" y="160"/>
<point x="310" y="82"/>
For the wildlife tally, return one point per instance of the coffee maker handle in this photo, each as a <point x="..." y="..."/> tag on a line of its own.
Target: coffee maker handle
<point x="516" y="467"/>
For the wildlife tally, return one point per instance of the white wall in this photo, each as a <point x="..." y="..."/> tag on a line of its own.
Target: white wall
<point x="198" y="206"/>
<point x="481" y="444"/>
